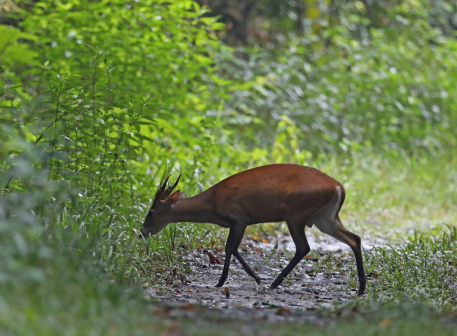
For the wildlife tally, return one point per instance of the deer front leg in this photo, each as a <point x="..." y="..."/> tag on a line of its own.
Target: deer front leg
<point x="233" y="242"/>
<point x="297" y="232"/>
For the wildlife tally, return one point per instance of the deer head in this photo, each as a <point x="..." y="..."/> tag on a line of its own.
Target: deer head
<point x="158" y="214"/>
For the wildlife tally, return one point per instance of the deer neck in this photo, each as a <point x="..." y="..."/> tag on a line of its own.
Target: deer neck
<point x="197" y="209"/>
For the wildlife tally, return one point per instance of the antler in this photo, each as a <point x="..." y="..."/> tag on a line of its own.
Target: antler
<point x="174" y="185"/>
<point x="163" y="194"/>
<point x="165" y="183"/>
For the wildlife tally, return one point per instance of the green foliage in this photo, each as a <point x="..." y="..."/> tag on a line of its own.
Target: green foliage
<point x="52" y="279"/>
<point x="113" y="103"/>
<point x="422" y="268"/>
<point x="278" y="22"/>
<point x="100" y="100"/>
<point x="137" y="71"/>
<point x="388" y="91"/>
<point x="11" y="51"/>
<point x="395" y="193"/>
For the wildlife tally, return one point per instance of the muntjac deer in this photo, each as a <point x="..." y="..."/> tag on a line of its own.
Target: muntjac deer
<point x="300" y="196"/>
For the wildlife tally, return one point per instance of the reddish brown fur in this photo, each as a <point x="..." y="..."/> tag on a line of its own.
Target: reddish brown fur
<point x="273" y="193"/>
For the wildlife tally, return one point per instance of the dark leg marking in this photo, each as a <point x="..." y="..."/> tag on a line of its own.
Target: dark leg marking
<point x="233" y="242"/>
<point x="301" y="250"/>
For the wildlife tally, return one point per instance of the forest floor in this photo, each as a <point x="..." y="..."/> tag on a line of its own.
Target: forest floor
<point x="319" y="296"/>
<point x="306" y="289"/>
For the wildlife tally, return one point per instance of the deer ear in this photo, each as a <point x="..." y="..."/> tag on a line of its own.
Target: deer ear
<point x="181" y="195"/>
<point x="173" y="198"/>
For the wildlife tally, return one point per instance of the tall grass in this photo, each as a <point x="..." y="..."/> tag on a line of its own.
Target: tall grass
<point x="90" y="122"/>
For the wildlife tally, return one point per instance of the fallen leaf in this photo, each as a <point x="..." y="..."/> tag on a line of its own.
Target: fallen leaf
<point x="283" y="311"/>
<point x="212" y="258"/>
<point x="190" y="306"/>
<point x="189" y="290"/>
<point x="385" y="322"/>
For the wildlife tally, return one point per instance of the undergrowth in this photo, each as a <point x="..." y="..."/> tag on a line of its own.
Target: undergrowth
<point x="95" y="112"/>
<point x="423" y="268"/>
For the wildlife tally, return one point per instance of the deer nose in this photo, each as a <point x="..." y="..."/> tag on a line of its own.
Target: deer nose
<point x="143" y="234"/>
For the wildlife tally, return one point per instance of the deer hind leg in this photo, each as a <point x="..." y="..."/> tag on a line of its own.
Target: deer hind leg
<point x="329" y="222"/>
<point x="301" y="250"/>
<point x="233" y="242"/>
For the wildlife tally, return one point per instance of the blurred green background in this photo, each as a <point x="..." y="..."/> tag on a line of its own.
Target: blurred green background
<point x="100" y="100"/>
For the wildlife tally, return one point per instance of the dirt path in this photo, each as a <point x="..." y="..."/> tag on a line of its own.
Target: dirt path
<point x="305" y="290"/>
